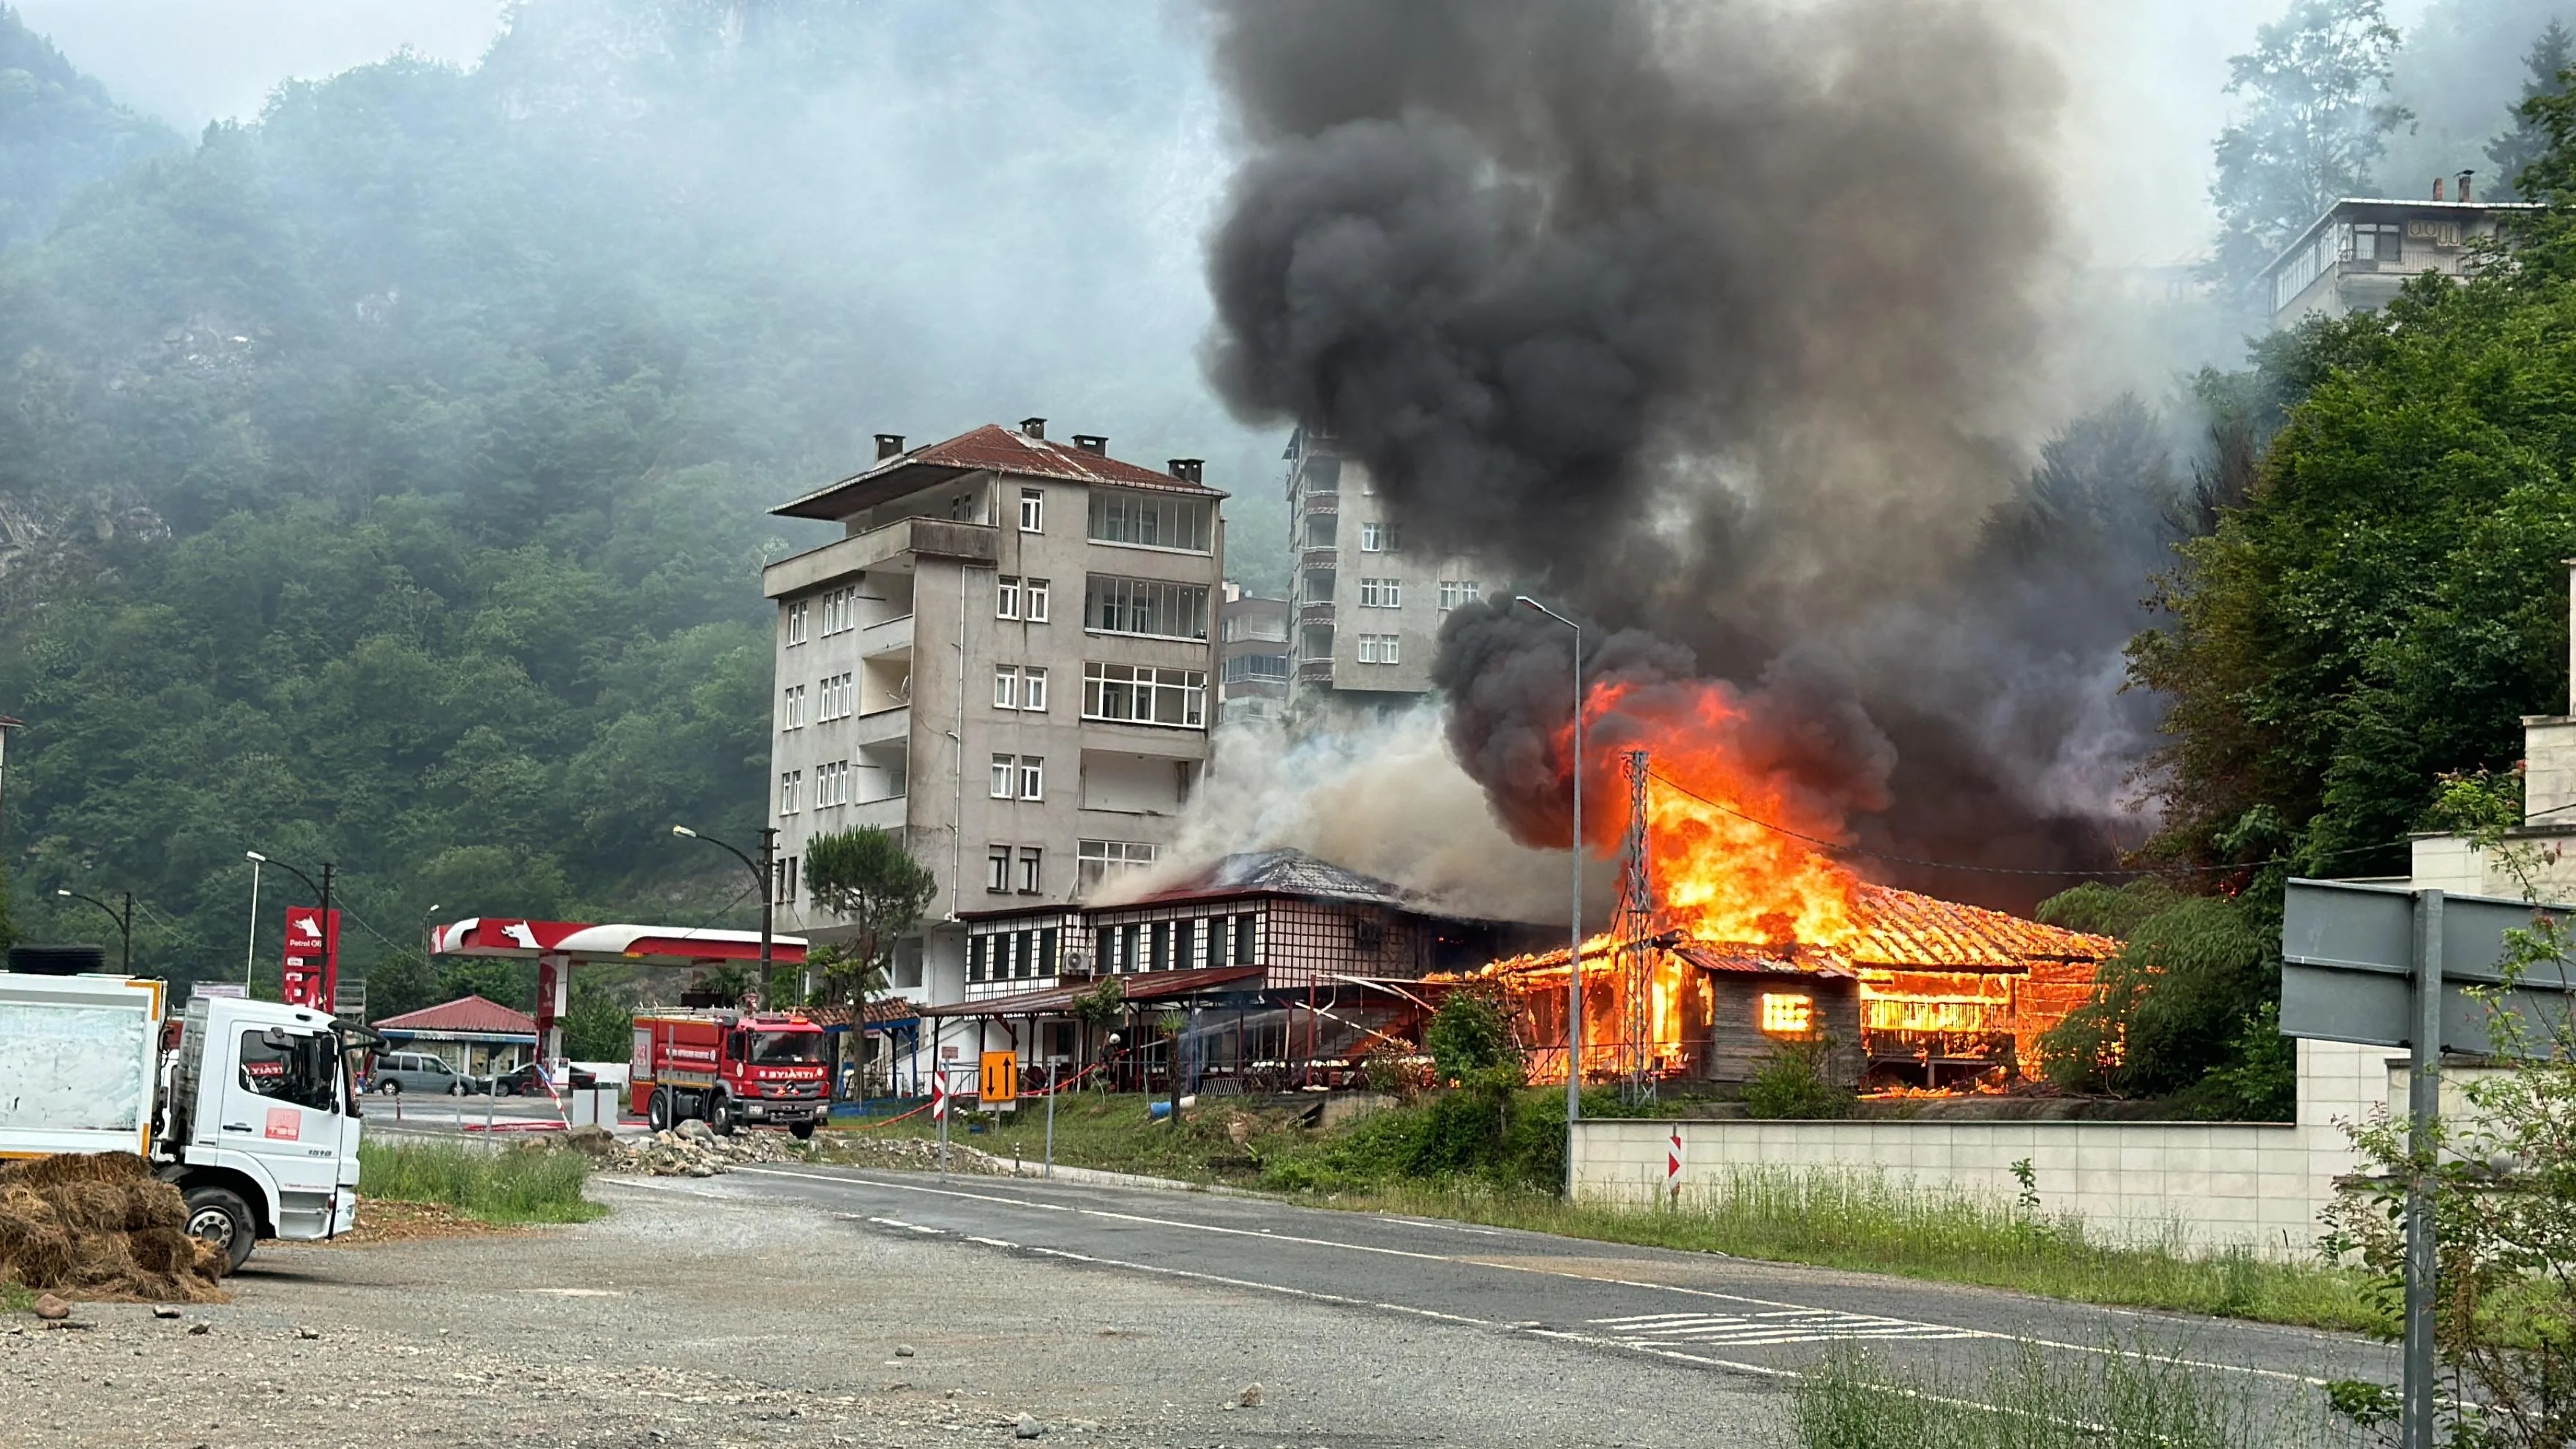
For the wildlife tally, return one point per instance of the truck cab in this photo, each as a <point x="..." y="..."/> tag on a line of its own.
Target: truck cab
<point x="733" y="1069"/>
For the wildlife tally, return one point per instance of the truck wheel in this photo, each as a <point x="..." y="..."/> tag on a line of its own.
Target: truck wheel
<point x="720" y="1116"/>
<point x="804" y="1131"/>
<point x="657" y="1110"/>
<point x="218" y="1216"/>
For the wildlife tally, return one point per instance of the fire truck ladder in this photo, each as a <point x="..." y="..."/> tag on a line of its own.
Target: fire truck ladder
<point x="1632" y="926"/>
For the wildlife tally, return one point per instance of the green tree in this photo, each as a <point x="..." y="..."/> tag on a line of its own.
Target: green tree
<point x="865" y="877"/>
<point x="598" y="1025"/>
<point x="1467" y="1036"/>
<point x="2526" y="141"/>
<point x="2315" y="120"/>
<point x="2172" y="1006"/>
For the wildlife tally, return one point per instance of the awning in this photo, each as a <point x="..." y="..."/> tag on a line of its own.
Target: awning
<point x="650" y="945"/>
<point x="1058" y="1000"/>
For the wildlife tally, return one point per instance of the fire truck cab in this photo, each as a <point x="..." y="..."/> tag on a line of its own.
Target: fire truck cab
<point x="731" y="1069"/>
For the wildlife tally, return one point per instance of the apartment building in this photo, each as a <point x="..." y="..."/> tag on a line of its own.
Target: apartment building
<point x="1367" y="608"/>
<point x="1252" y="655"/>
<point x="2355" y="256"/>
<point x="1008" y="657"/>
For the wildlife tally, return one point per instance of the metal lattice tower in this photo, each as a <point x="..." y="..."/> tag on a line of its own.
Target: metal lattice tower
<point x="1632" y="928"/>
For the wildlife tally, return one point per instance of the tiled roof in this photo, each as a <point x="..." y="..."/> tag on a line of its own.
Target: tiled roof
<point x="466" y="1013"/>
<point x="990" y="447"/>
<point x="1896" y="930"/>
<point x="880" y="1009"/>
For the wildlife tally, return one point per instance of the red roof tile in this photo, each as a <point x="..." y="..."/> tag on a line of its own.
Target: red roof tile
<point x="466" y="1013"/>
<point x="993" y="447"/>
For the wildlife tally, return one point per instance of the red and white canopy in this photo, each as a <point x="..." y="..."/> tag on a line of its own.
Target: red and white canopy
<point x="651" y="945"/>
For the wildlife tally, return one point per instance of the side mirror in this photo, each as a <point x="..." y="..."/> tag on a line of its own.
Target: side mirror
<point x="276" y="1039"/>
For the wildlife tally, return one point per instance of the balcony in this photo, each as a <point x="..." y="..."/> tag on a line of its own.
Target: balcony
<point x="1314" y="671"/>
<point x="914" y="537"/>
<point x="1316" y="613"/>
<point x="1320" y="503"/>
<point x="1318" y="558"/>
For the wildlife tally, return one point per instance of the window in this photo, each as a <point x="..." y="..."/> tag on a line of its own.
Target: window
<point x="1150" y="520"/>
<point x="2374" y="243"/>
<point x="1161" y="947"/>
<point x="1454" y="592"/>
<point x="997" y="868"/>
<point x="1145" y="606"/>
<point x="1372" y="537"/>
<point x="1321" y="530"/>
<point x="1243" y="939"/>
<point x="791" y="707"/>
<point x="1095" y="861"/>
<point x="1788" y="1015"/>
<point x="970" y="506"/>
<point x="1243" y="667"/>
<point x="1395" y="538"/>
<point x="832" y="697"/>
<point x="304" y="1071"/>
<point x="1006" y="686"/>
<point x="1219" y="937"/>
<point x="832" y="784"/>
<point x="1006" y="596"/>
<point x="796" y="618"/>
<point x="1032" y="510"/>
<point x="1315" y="586"/>
<point x="1005" y="775"/>
<point x="1381" y="593"/>
<point x="1033" y="682"/>
<point x="784" y="880"/>
<point x="1142" y="694"/>
<point x="1032" y="777"/>
<point x="1047" y="957"/>
<point x="975" y="957"/>
<point x="1033" y="601"/>
<point x="789" y="783"/>
<point x="1377" y="649"/>
<point x="1032" y="860"/>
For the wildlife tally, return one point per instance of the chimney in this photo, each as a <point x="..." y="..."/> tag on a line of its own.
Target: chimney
<point x="1091" y="443"/>
<point x="2464" y="184"/>
<point x="2437" y="188"/>
<point x="1033" y="428"/>
<point x="1187" y="469"/>
<point x="889" y="445"/>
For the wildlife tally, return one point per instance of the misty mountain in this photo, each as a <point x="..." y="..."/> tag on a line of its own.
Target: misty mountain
<point x="59" y="132"/>
<point x="386" y="476"/>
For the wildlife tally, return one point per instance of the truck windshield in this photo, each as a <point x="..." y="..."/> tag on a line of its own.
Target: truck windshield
<point x="786" y="1048"/>
<point x="305" y="1069"/>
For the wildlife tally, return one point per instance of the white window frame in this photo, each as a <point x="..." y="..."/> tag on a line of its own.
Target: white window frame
<point x="1033" y="601"/>
<point x="1005" y="774"/>
<point x="1006" y="596"/>
<point x="790" y="786"/>
<point x="1143" y="686"/>
<point x="1372" y="536"/>
<point x="997" y="880"/>
<point x="1032" y="777"/>
<point x="1382" y="593"/>
<point x="1032" y="870"/>
<point x="1006" y="686"/>
<point x="1457" y="593"/>
<point x="796" y="620"/>
<point x="1183" y="605"/>
<point x="1033" y="689"/>
<point x="1032" y="510"/>
<point x="1094" y="861"/>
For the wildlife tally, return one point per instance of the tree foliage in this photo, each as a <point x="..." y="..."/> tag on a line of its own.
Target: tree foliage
<point x="1467" y="1037"/>
<point x="2316" y="118"/>
<point x="2526" y="140"/>
<point x="869" y="880"/>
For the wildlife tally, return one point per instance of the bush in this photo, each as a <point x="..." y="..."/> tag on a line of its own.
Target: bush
<point x="1791" y="1083"/>
<point x="522" y="1184"/>
<point x="1502" y="1137"/>
<point x="1466" y="1036"/>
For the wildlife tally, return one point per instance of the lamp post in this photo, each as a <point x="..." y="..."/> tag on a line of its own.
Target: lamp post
<point x="762" y="870"/>
<point x="1574" y="957"/>
<point x="250" y="946"/>
<point x="322" y="891"/>
<point x="124" y="924"/>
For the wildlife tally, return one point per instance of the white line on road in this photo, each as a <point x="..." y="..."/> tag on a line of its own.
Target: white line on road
<point x="1955" y="1331"/>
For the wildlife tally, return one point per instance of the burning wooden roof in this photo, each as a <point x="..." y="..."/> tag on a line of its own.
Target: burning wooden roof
<point x="1891" y="930"/>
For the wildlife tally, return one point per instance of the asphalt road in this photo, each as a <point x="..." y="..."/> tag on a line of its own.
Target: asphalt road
<point x="1750" y="1321"/>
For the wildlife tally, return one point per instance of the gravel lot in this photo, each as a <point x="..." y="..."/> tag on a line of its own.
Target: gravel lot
<point x="690" y="1322"/>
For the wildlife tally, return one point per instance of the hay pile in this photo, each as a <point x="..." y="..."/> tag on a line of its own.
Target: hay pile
<point x="101" y="1226"/>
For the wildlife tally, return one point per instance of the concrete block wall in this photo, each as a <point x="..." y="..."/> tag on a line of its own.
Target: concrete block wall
<point x="2210" y="1185"/>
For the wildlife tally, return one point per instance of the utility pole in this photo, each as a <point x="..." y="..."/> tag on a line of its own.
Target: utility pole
<point x="1574" y="954"/>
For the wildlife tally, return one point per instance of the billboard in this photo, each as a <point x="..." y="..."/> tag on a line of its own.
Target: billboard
<point x="312" y="957"/>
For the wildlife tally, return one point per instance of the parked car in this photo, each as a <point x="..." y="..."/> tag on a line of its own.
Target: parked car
<point x="421" y="1072"/>
<point x="523" y="1081"/>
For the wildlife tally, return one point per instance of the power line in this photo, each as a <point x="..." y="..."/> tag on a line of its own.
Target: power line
<point x="1842" y="849"/>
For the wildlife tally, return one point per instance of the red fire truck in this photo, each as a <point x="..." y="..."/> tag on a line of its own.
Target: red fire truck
<point x="732" y="1068"/>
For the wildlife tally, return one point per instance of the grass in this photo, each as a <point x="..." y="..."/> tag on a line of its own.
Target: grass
<point x="1861" y="1222"/>
<point x="520" y="1184"/>
<point x="16" y="1297"/>
<point x="1108" y="1131"/>
<point x="2023" y="1400"/>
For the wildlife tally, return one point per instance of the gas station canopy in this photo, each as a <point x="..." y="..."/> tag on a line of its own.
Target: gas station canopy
<point x="648" y="945"/>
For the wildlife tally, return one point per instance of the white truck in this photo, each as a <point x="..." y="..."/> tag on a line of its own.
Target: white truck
<point x="249" y="1112"/>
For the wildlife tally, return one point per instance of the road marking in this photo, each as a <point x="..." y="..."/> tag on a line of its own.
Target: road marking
<point x="1815" y="1325"/>
<point x="1953" y="1331"/>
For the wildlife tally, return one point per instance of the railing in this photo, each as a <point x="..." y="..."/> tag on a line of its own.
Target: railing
<point x="1321" y="503"/>
<point x="1321" y="613"/>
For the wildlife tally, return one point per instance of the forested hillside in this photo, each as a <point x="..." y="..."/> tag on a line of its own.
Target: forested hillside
<point x="382" y="482"/>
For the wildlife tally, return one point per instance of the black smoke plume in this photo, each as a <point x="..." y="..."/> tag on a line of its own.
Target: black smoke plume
<point x="1720" y="324"/>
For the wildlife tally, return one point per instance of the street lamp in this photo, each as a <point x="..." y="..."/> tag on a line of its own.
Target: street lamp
<point x="1574" y="957"/>
<point x="762" y="870"/>
<point x="322" y="890"/>
<point x="124" y="924"/>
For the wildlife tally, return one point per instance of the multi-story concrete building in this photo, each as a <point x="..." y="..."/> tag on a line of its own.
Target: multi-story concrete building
<point x="1007" y="657"/>
<point x="1252" y="655"/>
<point x="2356" y="256"/>
<point x="1368" y="609"/>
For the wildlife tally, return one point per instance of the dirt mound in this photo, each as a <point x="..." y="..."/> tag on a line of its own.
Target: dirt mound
<point x="101" y="1226"/>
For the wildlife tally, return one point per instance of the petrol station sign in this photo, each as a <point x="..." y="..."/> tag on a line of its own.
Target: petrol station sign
<point x="312" y="958"/>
